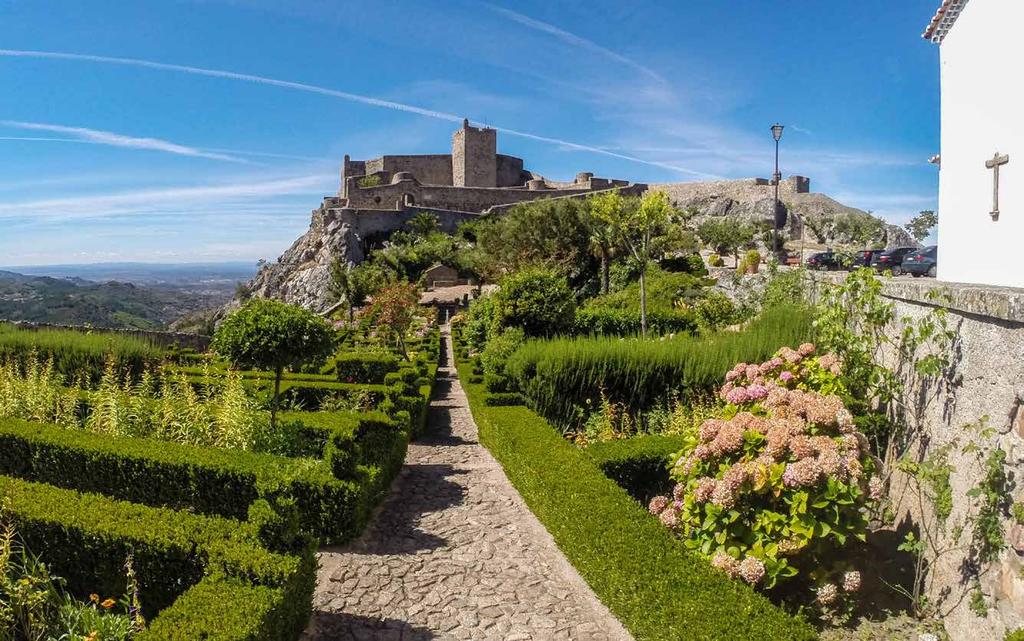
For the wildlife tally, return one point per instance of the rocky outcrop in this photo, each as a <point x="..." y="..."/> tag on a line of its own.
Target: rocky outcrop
<point x="819" y="218"/>
<point x="302" y="274"/>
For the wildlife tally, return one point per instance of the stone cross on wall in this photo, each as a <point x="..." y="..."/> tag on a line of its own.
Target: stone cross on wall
<point x="994" y="164"/>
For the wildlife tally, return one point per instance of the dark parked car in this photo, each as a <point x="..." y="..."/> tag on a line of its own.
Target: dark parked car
<point x="823" y="261"/>
<point x="864" y="257"/>
<point x="891" y="259"/>
<point x="921" y="263"/>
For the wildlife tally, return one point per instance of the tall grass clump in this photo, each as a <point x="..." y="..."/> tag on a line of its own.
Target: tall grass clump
<point x="565" y="379"/>
<point x="77" y="355"/>
<point x="32" y="390"/>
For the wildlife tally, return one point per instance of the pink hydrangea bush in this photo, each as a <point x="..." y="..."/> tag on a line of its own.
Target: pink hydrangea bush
<point x="780" y="480"/>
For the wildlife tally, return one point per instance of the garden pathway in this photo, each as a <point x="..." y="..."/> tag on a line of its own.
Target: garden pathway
<point x="454" y="553"/>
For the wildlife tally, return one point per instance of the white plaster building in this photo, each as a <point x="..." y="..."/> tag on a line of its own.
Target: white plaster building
<point x="981" y="227"/>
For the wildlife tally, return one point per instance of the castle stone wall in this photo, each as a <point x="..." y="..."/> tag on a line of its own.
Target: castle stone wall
<point x="510" y="171"/>
<point x="429" y="169"/>
<point x="470" y="199"/>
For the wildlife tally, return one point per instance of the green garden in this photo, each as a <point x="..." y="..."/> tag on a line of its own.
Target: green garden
<point x="163" y="494"/>
<point x="713" y="452"/>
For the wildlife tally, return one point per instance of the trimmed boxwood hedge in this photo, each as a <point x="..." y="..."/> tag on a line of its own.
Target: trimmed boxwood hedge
<point x="638" y="465"/>
<point x="658" y="589"/>
<point x="207" y="480"/>
<point x="499" y="399"/>
<point x="364" y="367"/>
<point x="216" y="564"/>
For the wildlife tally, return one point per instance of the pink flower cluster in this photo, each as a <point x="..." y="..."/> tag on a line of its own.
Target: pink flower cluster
<point x="747" y="383"/>
<point x="750" y="569"/>
<point x="828" y="594"/>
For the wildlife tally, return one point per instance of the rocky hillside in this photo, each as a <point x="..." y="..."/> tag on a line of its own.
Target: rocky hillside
<point x="822" y="219"/>
<point x="302" y="274"/>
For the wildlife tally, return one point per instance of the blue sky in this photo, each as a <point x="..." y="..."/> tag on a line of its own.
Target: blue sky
<point x="221" y="150"/>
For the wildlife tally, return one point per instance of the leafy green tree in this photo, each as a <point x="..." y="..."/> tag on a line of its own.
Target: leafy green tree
<point x="537" y="300"/>
<point x="922" y="224"/>
<point x="726" y="236"/>
<point x="353" y="284"/>
<point x="550" y="232"/>
<point x="638" y="224"/>
<point x="424" y="224"/>
<point x="271" y="335"/>
<point x="602" y="237"/>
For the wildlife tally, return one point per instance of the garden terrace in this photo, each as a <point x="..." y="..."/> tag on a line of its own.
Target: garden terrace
<point x="665" y="593"/>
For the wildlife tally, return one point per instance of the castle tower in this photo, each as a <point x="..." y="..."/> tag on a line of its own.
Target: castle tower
<point x="474" y="157"/>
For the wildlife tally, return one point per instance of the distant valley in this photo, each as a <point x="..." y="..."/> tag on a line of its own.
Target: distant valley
<point x="122" y="295"/>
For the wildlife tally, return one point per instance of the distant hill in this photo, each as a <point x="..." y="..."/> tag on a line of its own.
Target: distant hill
<point x="75" y="300"/>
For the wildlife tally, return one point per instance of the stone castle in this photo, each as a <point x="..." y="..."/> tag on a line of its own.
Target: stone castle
<point x="380" y="196"/>
<point x="383" y="193"/>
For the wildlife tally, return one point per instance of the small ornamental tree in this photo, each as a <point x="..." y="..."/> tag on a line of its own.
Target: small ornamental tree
<point x="780" y="480"/>
<point x="641" y="226"/>
<point x="537" y="300"/>
<point x="922" y="224"/>
<point x="394" y="309"/>
<point x="271" y="335"/>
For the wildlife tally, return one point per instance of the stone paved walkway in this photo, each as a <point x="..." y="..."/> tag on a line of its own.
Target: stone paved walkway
<point x="454" y="553"/>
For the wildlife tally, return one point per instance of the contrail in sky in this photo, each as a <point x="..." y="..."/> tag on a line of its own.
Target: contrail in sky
<point x="325" y="91"/>
<point x="111" y="139"/>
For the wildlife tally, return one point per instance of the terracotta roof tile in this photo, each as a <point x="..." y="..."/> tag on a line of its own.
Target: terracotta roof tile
<point x="943" y="20"/>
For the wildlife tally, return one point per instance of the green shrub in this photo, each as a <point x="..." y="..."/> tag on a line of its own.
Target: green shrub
<point x="1015" y="636"/>
<point x="560" y="378"/>
<point x="207" y="480"/>
<point x="638" y="465"/>
<point x="591" y="321"/>
<point x="691" y="264"/>
<point x="715" y="311"/>
<point x="85" y="539"/>
<point x="750" y="262"/>
<point x="537" y="300"/>
<point x="479" y="322"/>
<point x="495" y="355"/>
<point x="659" y="591"/>
<point x="503" y="399"/>
<point x="715" y="260"/>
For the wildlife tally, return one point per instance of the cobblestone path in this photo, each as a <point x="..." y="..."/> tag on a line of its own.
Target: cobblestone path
<point x="454" y="553"/>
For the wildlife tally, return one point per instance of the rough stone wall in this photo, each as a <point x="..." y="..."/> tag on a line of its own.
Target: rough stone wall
<point x="986" y="379"/>
<point x="471" y="199"/>
<point x="510" y="171"/>
<point x="432" y="169"/>
<point x="474" y="157"/>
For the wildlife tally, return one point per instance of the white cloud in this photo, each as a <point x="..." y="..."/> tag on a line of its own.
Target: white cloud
<point x="112" y="139"/>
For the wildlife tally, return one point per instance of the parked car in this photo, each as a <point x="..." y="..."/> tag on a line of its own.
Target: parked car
<point x="864" y="257"/>
<point x="921" y="263"/>
<point x="823" y="261"/>
<point x="891" y="259"/>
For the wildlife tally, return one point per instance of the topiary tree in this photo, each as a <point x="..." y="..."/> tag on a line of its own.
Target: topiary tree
<point x="537" y="300"/>
<point x="271" y="335"/>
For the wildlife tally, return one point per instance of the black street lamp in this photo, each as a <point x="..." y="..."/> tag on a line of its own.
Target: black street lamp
<point x="776" y="179"/>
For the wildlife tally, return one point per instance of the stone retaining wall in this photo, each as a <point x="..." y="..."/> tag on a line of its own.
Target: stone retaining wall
<point x="986" y="378"/>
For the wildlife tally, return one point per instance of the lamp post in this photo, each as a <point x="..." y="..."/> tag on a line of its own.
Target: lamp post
<point x="776" y="179"/>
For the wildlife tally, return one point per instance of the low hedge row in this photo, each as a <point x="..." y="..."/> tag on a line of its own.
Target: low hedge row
<point x="364" y="367"/>
<point x="596" y="321"/>
<point x="658" y="589"/>
<point x="200" y="577"/>
<point x="639" y="465"/>
<point x="158" y="473"/>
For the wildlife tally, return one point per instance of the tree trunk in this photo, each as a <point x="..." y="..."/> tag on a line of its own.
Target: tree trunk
<point x="605" y="268"/>
<point x="278" y="373"/>
<point x="643" y="302"/>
